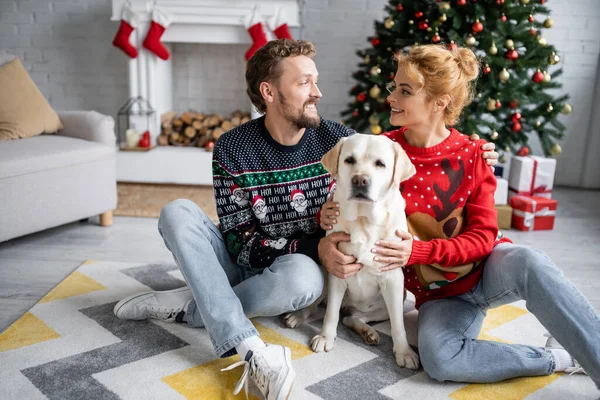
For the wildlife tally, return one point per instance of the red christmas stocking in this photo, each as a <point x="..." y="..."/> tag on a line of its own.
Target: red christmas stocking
<point x="128" y="24"/>
<point x="257" y="33"/>
<point x="160" y="22"/>
<point x="279" y="27"/>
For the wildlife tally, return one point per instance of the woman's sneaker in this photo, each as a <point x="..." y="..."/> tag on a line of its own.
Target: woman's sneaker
<point x="168" y="306"/>
<point x="270" y="368"/>
<point x="552" y="343"/>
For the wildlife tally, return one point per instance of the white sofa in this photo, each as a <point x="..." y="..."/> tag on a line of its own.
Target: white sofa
<point x="50" y="180"/>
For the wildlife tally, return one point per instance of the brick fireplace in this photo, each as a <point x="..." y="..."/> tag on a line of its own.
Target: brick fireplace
<point x="192" y="21"/>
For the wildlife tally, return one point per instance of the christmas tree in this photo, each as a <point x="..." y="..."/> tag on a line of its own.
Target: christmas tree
<point x="516" y="94"/>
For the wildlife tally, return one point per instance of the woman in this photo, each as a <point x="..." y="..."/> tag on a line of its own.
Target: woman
<point x="454" y="263"/>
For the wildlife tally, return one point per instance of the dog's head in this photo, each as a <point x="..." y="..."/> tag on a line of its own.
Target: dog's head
<point x="367" y="166"/>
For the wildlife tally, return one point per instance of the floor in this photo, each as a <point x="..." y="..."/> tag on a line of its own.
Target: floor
<point x="32" y="265"/>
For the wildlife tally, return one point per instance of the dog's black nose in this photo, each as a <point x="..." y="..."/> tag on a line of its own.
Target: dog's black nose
<point x="360" y="180"/>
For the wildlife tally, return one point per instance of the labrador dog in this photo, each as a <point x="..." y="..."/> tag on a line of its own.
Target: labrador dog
<point x="369" y="170"/>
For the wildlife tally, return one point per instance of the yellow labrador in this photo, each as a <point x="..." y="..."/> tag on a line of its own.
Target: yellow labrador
<point x="369" y="170"/>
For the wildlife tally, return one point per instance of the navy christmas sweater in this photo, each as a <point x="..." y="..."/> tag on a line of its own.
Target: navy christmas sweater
<point x="268" y="194"/>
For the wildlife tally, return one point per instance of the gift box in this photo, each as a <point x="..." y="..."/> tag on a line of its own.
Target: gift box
<point x="501" y="193"/>
<point x="504" y="216"/>
<point x="533" y="213"/>
<point x="531" y="176"/>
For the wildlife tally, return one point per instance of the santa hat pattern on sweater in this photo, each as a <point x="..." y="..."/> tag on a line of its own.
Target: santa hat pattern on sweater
<point x="295" y="193"/>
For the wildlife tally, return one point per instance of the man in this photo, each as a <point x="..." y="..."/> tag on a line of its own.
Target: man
<point x="264" y="260"/>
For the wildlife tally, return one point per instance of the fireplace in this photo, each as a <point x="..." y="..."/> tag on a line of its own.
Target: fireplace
<point x="192" y="21"/>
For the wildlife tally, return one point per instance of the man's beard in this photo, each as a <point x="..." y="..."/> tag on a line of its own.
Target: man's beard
<point x="303" y="120"/>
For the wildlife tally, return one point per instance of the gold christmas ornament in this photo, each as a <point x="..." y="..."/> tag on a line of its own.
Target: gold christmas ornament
<point x="491" y="104"/>
<point x="367" y="59"/>
<point x="470" y="40"/>
<point x="538" y="123"/>
<point x="443" y="18"/>
<point x="504" y="75"/>
<point x="494" y="135"/>
<point x="374" y="119"/>
<point x="493" y="50"/>
<point x="507" y="149"/>
<point x="502" y="158"/>
<point x="429" y="29"/>
<point x="375" y="92"/>
<point x="547" y="77"/>
<point x="509" y="44"/>
<point x="376" y="129"/>
<point x="410" y="22"/>
<point x="389" y="23"/>
<point x="524" y="2"/>
<point x="444" y="6"/>
<point x="542" y="41"/>
<point x="548" y="23"/>
<point x="556" y="149"/>
<point x="549" y="108"/>
<point x="375" y="70"/>
<point x="553" y="59"/>
<point x="566" y="109"/>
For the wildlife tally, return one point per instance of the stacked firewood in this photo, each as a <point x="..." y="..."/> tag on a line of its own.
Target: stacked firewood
<point x="196" y="129"/>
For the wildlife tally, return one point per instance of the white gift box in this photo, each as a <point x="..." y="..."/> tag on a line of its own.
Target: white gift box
<point x="501" y="193"/>
<point x="531" y="176"/>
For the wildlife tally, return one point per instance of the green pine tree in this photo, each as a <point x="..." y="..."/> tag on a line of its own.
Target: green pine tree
<point x="516" y="92"/>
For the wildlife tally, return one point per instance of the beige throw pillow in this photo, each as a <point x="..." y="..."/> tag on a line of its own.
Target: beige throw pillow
<point x="24" y="112"/>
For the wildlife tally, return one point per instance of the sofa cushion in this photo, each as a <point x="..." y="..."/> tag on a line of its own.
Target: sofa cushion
<point x="5" y="57"/>
<point x="24" y="112"/>
<point x="39" y="153"/>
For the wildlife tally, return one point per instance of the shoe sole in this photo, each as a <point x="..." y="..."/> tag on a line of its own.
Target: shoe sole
<point x="286" y="388"/>
<point x="128" y="299"/>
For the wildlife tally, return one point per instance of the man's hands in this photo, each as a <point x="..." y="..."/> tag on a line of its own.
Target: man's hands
<point x="334" y="261"/>
<point x="491" y="157"/>
<point x="329" y="211"/>
<point x="393" y="254"/>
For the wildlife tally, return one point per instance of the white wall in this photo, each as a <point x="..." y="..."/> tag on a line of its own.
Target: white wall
<point x="66" y="46"/>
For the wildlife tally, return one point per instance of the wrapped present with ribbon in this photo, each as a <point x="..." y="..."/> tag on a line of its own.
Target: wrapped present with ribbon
<point x="504" y="216"/>
<point x="533" y="213"/>
<point x="531" y="176"/>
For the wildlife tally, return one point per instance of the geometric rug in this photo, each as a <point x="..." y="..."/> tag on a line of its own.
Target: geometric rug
<point x="71" y="346"/>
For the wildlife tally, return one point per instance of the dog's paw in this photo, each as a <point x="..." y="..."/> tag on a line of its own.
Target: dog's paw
<point x="370" y="336"/>
<point x="294" y="319"/>
<point x="407" y="359"/>
<point x="321" y="343"/>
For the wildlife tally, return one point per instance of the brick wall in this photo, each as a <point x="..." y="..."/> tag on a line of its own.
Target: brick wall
<point x="66" y="46"/>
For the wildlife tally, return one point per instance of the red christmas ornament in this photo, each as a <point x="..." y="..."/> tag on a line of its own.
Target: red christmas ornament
<point x="533" y="32"/>
<point x="419" y="14"/>
<point x="452" y="45"/>
<point x="461" y="2"/>
<point x="375" y="41"/>
<point x="516" y="127"/>
<point x="542" y="1"/>
<point x="423" y="25"/>
<point x="209" y="146"/>
<point x="512" y="54"/>
<point x="399" y="7"/>
<point x="530" y="19"/>
<point x="477" y="27"/>
<point x="487" y="69"/>
<point x="391" y="76"/>
<point x="503" y="18"/>
<point x="355" y="113"/>
<point x="498" y="104"/>
<point x="538" y="77"/>
<point x="514" y="104"/>
<point x="361" y="97"/>
<point x="499" y="2"/>
<point x="516" y="117"/>
<point x="524" y="151"/>
<point x="436" y="38"/>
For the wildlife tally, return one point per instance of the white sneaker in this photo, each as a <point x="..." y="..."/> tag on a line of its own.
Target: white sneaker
<point x="270" y="368"/>
<point x="552" y="343"/>
<point x="166" y="305"/>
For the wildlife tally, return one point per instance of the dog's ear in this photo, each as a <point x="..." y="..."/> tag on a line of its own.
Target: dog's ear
<point x="403" y="167"/>
<point x="331" y="159"/>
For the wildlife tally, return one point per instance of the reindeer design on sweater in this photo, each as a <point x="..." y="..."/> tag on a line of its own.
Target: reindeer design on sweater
<point x="445" y="223"/>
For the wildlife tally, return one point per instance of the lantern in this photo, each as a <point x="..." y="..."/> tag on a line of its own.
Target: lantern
<point x="136" y="122"/>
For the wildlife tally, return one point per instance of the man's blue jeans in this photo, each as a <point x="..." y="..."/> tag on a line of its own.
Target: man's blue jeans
<point x="448" y="328"/>
<point x="225" y="294"/>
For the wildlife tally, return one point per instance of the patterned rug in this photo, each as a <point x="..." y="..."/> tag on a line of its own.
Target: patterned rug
<point x="71" y="346"/>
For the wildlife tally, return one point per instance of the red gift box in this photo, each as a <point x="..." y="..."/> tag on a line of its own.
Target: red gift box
<point x="533" y="213"/>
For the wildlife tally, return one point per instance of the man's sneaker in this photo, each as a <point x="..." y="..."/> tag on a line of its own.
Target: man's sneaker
<point x="552" y="343"/>
<point x="168" y="306"/>
<point x="270" y="368"/>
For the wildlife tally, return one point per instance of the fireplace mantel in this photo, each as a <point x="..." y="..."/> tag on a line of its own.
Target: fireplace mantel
<point x="192" y="21"/>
